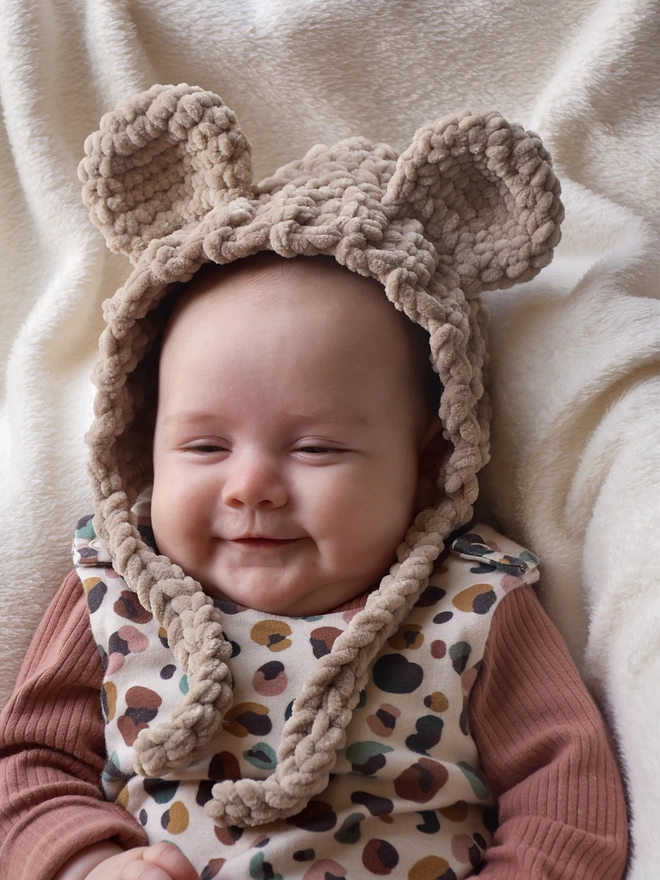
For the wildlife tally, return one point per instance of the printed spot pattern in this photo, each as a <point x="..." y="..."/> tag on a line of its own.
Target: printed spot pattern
<point x="142" y="706"/>
<point x="380" y="858"/>
<point x="248" y="718"/>
<point x="270" y="680"/>
<point x="398" y="803"/>
<point x="367" y="757"/>
<point x="272" y="634"/>
<point x="322" y="639"/>
<point x="383" y="721"/>
<point x="325" y="869"/>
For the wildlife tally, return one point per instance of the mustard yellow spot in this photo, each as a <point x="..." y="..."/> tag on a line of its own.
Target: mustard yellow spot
<point x="407" y="637"/>
<point x="429" y="868"/>
<point x="437" y="702"/>
<point x="178" y="818"/>
<point x="457" y="812"/>
<point x="110" y="691"/>
<point x="272" y="634"/>
<point x="90" y="583"/>
<point x="122" y="798"/>
<point x="465" y="599"/>
<point x="248" y="718"/>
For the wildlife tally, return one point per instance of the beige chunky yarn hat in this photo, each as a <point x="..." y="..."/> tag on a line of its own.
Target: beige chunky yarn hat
<point x="471" y="205"/>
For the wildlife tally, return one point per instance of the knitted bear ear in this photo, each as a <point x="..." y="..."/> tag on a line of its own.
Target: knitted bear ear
<point x="485" y="192"/>
<point x="160" y="162"/>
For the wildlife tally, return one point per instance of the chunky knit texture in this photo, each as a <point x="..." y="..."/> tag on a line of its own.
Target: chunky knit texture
<point x="472" y="204"/>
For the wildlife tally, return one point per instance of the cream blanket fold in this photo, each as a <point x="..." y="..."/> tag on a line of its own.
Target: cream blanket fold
<point x="575" y="473"/>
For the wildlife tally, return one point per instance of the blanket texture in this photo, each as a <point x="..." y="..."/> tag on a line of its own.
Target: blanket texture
<point x="575" y="473"/>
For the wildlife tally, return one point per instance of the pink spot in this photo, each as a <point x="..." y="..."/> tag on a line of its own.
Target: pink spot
<point x="137" y="642"/>
<point x="321" y="869"/>
<point x="382" y="725"/>
<point x="115" y="663"/>
<point x="269" y="687"/>
<point x="438" y="649"/>
<point x="468" y="679"/>
<point x="460" y="847"/>
<point x="347" y="616"/>
<point x="510" y="582"/>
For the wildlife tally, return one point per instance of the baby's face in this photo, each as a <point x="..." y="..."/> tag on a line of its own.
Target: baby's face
<point x="288" y="435"/>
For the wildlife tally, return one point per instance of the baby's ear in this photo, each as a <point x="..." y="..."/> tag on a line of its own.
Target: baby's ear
<point x="160" y="162"/>
<point x="485" y="192"/>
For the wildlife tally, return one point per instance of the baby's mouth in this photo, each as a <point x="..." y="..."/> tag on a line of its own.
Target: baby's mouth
<point x="258" y="542"/>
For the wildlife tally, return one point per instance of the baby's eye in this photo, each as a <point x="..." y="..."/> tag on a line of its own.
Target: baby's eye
<point x="319" y="449"/>
<point x="206" y="448"/>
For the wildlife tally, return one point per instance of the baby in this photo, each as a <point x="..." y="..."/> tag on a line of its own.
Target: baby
<point x="295" y="682"/>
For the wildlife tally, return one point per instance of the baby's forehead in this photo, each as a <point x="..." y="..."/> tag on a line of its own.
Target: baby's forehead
<point x="264" y="274"/>
<point x="307" y="289"/>
<point x="315" y="294"/>
<point x="310" y="304"/>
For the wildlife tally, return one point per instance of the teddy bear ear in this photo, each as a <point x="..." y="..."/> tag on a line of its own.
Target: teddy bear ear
<point x="160" y="162"/>
<point x="487" y="196"/>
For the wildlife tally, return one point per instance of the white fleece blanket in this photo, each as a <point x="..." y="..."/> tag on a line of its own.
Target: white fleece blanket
<point x="576" y="353"/>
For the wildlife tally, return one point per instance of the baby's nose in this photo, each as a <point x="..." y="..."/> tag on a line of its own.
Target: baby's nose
<point x="254" y="481"/>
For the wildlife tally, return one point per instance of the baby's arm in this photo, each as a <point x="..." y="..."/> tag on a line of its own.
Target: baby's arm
<point x="52" y="751"/>
<point x="546" y="753"/>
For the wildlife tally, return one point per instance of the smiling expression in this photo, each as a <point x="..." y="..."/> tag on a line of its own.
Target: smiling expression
<point x="288" y="434"/>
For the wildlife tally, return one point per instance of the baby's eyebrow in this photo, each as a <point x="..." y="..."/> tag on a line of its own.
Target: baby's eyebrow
<point x="187" y="418"/>
<point x="316" y="414"/>
<point x="329" y="415"/>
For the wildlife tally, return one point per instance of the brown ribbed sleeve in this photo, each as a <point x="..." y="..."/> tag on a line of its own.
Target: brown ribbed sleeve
<point x="546" y="754"/>
<point x="52" y="750"/>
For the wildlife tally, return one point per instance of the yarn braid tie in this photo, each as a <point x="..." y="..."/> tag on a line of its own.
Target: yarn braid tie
<point x="316" y="729"/>
<point x="195" y="635"/>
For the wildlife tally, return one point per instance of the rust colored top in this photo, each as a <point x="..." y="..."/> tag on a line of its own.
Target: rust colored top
<point x="543" y="745"/>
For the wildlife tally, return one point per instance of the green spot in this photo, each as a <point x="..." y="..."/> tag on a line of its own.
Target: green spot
<point x="183" y="684"/>
<point x="359" y="753"/>
<point x="315" y="618"/>
<point x="161" y="790"/>
<point x="460" y="654"/>
<point x="477" y="782"/>
<point x="350" y="829"/>
<point x="262" y="870"/>
<point x="261" y="756"/>
<point x="86" y="530"/>
<point x="112" y="771"/>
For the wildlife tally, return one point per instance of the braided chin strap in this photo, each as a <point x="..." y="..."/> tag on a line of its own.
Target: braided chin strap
<point x="322" y="711"/>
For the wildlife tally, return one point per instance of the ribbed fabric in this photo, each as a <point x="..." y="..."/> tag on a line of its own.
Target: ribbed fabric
<point x="52" y="750"/>
<point x="546" y="754"/>
<point x="542" y="741"/>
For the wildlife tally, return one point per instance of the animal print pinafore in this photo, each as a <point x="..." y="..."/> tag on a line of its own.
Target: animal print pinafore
<point x="406" y="797"/>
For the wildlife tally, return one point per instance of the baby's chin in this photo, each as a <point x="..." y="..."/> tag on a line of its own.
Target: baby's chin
<point x="287" y="601"/>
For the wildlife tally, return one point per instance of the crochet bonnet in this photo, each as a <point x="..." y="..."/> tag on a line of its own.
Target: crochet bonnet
<point x="472" y="204"/>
